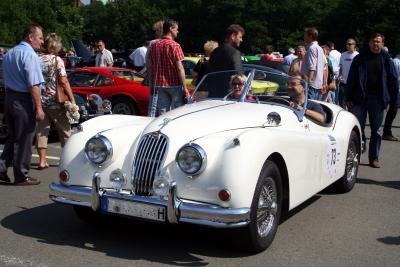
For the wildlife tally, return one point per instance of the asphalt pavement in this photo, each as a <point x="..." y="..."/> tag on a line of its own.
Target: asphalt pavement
<point x="360" y="228"/>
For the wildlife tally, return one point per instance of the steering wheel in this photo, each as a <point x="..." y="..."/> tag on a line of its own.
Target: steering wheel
<point x="279" y="99"/>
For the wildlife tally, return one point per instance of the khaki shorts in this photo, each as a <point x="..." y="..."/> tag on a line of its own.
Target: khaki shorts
<point x="57" y="115"/>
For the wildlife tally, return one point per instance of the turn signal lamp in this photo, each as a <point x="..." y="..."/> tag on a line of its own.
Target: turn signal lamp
<point x="64" y="176"/>
<point x="224" y="195"/>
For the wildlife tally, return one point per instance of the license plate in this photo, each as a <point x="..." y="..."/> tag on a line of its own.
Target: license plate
<point x="136" y="209"/>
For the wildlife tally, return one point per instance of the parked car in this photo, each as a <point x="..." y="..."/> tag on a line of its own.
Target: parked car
<point x="221" y="162"/>
<point x="85" y="58"/>
<point x="89" y="106"/>
<point x="278" y="65"/>
<point x="279" y="78"/>
<point x="123" y="87"/>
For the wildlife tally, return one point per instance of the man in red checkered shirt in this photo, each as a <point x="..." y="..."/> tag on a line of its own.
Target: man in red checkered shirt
<point x="167" y="75"/>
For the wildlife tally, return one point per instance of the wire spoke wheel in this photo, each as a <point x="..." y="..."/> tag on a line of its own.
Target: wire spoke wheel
<point x="267" y="207"/>
<point x="352" y="162"/>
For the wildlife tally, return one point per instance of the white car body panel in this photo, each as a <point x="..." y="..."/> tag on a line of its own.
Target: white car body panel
<point x="306" y="148"/>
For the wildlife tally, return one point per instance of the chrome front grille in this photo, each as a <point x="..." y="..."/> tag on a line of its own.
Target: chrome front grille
<point x="148" y="159"/>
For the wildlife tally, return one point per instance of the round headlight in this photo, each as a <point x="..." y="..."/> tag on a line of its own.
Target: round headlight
<point x="191" y="159"/>
<point x="98" y="149"/>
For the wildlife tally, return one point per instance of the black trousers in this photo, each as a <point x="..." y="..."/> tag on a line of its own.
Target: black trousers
<point x="390" y="116"/>
<point x="20" y="117"/>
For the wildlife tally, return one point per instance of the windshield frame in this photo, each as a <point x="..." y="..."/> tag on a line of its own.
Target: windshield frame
<point x="247" y="89"/>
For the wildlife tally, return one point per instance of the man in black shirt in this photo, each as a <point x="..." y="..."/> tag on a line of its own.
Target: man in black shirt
<point x="226" y="57"/>
<point x="371" y="86"/>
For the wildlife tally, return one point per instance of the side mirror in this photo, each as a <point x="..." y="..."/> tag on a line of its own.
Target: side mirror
<point x="273" y="119"/>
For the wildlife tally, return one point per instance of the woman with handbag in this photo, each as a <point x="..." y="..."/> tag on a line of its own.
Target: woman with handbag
<point x="55" y="93"/>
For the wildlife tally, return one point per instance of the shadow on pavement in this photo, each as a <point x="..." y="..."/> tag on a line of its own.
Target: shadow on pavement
<point x="390" y="240"/>
<point x="290" y="214"/>
<point x="390" y="184"/>
<point x="122" y="238"/>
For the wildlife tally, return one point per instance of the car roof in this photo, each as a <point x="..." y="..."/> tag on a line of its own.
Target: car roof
<point x="102" y="70"/>
<point x="263" y="68"/>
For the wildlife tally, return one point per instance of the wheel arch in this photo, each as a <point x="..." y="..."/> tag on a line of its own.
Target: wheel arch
<point x="357" y="130"/>
<point x="280" y="162"/>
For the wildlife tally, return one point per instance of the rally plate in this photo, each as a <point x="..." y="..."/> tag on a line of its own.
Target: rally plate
<point x="136" y="209"/>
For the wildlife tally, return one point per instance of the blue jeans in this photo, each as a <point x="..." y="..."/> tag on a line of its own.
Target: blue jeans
<point x="152" y="109"/>
<point x="169" y="98"/>
<point x="374" y="107"/>
<point x="314" y="93"/>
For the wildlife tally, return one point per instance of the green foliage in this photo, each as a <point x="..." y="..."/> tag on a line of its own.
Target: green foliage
<point x="127" y="24"/>
<point x="60" y="16"/>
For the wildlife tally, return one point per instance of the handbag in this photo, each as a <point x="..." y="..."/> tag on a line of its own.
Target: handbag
<point x="60" y="96"/>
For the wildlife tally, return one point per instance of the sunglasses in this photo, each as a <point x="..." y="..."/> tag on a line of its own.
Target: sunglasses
<point x="237" y="84"/>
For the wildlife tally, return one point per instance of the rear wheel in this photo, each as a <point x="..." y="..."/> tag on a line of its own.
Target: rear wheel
<point x="123" y="105"/>
<point x="265" y="211"/>
<point x="346" y="183"/>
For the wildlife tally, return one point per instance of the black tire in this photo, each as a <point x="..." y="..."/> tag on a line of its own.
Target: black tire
<point x="347" y="181"/>
<point x="3" y="132"/>
<point x="123" y="105"/>
<point x="264" y="219"/>
<point x="88" y="216"/>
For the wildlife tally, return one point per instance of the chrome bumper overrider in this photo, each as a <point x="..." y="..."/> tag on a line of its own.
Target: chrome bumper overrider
<point x="177" y="210"/>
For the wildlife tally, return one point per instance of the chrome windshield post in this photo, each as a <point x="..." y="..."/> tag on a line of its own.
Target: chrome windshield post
<point x="247" y="86"/>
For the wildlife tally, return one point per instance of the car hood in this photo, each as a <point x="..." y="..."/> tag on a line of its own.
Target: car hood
<point x="211" y="116"/>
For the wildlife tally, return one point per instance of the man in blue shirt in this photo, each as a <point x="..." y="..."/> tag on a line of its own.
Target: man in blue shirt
<point x="22" y="79"/>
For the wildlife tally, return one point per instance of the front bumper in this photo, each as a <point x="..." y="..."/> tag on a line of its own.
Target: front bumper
<point x="178" y="210"/>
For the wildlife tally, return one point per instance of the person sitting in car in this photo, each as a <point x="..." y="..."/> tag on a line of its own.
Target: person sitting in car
<point x="237" y="84"/>
<point x="297" y="97"/>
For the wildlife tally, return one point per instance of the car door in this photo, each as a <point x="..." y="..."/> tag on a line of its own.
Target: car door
<point x="83" y="82"/>
<point x="327" y="151"/>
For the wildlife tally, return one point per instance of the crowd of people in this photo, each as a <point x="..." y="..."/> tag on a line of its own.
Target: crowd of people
<point x="365" y="82"/>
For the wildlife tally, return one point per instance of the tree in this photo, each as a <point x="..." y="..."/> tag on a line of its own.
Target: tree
<point x="60" y="16"/>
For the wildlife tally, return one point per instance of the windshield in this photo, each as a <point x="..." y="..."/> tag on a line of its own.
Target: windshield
<point x="255" y="86"/>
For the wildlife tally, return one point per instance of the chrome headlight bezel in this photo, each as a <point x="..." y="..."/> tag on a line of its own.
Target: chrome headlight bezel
<point x="107" y="146"/>
<point x="200" y="155"/>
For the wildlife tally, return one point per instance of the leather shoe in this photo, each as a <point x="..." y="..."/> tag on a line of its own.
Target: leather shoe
<point x="29" y="181"/>
<point x="4" y="178"/>
<point x="389" y="137"/>
<point x="375" y="164"/>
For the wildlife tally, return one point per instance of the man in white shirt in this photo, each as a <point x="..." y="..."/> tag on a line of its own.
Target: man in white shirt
<point x="287" y="61"/>
<point x="313" y="65"/>
<point x="138" y="57"/>
<point x="345" y="62"/>
<point x="334" y="53"/>
<point x="104" y="57"/>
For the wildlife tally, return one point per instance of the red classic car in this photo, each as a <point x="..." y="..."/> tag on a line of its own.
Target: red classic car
<point x="121" y="86"/>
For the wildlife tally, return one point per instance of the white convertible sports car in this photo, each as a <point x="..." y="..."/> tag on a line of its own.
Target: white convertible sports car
<point x="222" y="162"/>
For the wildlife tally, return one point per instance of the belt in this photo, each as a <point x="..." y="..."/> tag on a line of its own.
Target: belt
<point x="8" y="90"/>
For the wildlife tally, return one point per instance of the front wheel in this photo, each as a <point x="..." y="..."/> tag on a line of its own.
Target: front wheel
<point x="347" y="181"/>
<point x="265" y="211"/>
